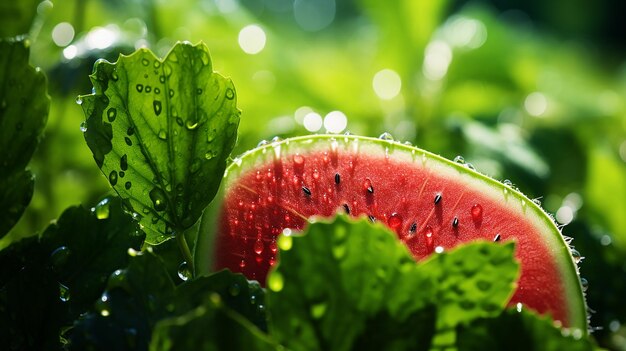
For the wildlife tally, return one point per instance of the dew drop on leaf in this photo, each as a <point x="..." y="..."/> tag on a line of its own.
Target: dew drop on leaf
<point x="102" y="208"/>
<point x="230" y="94"/>
<point x="59" y="257"/>
<point x="139" y="87"/>
<point x="158" y="199"/>
<point x="157" y="107"/>
<point x="113" y="178"/>
<point x="191" y="125"/>
<point x="162" y="134"/>
<point x="184" y="273"/>
<point x="64" y="293"/>
<point x="112" y="114"/>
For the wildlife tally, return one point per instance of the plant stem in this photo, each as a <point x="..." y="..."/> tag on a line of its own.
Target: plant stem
<point x="184" y="249"/>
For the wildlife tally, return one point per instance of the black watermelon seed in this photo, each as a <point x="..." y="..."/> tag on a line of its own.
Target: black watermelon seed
<point x="455" y="222"/>
<point x="372" y="218"/>
<point x="346" y="208"/>
<point x="337" y="178"/>
<point x="413" y="228"/>
<point x="306" y="190"/>
<point x="496" y="238"/>
<point x="437" y="199"/>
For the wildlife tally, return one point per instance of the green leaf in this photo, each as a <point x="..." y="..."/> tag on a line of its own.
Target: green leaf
<point x="139" y="297"/>
<point x="17" y="17"/>
<point x="526" y="331"/>
<point x="161" y="131"/>
<point x="24" y="105"/>
<point x="47" y="281"/>
<point x="474" y="281"/>
<point x="209" y="326"/>
<point x="239" y="294"/>
<point x="135" y="298"/>
<point x="339" y="282"/>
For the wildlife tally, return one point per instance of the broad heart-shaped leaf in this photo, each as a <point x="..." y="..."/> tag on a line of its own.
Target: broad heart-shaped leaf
<point x="48" y="281"/>
<point x="24" y="105"/>
<point x="337" y="288"/>
<point x="524" y="330"/>
<point x="161" y="131"/>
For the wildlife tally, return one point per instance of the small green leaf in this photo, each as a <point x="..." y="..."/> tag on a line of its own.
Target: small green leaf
<point x="513" y="330"/>
<point x="24" y="105"/>
<point x="161" y="131"/>
<point x="335" y="285"/>
<point x="47" y="281"/>
<point x="245" y="297"/>
<point x="209" y="326"/>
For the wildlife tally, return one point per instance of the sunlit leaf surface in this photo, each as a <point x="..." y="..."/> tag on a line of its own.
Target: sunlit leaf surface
<point x="24" y="105"/>
<point x="160" y="131"/>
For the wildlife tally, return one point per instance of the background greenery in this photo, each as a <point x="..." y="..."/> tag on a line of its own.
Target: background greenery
<point x="528" y="91"/>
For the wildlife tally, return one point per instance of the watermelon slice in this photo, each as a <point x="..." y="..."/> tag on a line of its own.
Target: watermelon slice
<point x="430" y="202"/>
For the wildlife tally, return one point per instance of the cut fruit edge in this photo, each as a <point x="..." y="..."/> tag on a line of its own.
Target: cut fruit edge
<point x="514" y="200"/>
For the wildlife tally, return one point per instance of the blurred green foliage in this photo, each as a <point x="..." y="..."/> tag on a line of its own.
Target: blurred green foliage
<point x="536" y="97"/>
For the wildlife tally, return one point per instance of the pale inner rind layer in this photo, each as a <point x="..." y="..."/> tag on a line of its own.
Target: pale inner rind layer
<point x="515" y="201"/>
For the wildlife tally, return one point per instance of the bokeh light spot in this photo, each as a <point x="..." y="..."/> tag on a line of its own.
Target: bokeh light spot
<point x="312" y="122"/>
<point x="387" y="84"/>
<point x="252" y="39"/>
<point x="536" y="104"/>
<point x="437" y="58"/>
<point x="63" y="34"/>
<point x="335" y="122"/>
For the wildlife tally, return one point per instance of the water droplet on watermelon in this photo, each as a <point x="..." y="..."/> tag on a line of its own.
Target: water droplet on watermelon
<point x="242" y="264"/>
<point x="428" y="234"/>
<point x="576" y="256"/>
<point x="584" y="283"/>
<point x="262" y="143"/>
<point x="439" y="249"/>
<point x="258" y="246"/>
<point x="460" y="160"/>
<point x="298" y="160"/>
<point x="477" y="212"/>
<point x="519" y="307"/>
<point x="184" y="273"/>
<point x="395" y="221"/>
<point x="386" y="136"/>
<point x="507" y="183"/>
<point x="316" y="174"/>
<point x="367" y="186"/>
<point x="273" y="246"/>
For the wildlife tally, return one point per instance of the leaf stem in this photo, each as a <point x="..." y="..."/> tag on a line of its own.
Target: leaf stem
<point x="184" y="249"/>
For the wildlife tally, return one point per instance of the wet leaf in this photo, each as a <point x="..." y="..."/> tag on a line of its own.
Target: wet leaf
<point x="47" y="281"/>
<point x="209" y="326"/>
<point x="523" y="330"/>
<point x="24" y="105"/>
<point x="160" y="130"/>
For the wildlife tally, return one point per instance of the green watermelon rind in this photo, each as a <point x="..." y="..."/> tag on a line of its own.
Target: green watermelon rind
<point x="513" y="198"/>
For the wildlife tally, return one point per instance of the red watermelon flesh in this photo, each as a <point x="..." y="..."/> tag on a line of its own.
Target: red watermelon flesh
<point x="428" y="201"/>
